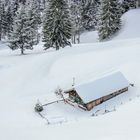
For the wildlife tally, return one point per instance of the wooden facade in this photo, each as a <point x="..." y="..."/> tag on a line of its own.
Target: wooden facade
<point x="73" y="95"/>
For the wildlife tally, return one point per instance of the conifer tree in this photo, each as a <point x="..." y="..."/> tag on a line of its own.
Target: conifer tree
<point x="21" y="37"/>
<point x="15" y="4"/>
<point x="57" y="25"/>
<point x="89" y="14"/>
<point x="9" y="21"/>
<point x="109" y="19"/>
<point x="34" y="20"/>
<point x="76" y="18"/>
<point x="36" y="11"/>
<point x="128" y="4"/>
<point x="2" y="19"/>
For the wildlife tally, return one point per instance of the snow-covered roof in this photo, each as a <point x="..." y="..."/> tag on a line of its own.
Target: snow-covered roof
<point x="101" y="87"/>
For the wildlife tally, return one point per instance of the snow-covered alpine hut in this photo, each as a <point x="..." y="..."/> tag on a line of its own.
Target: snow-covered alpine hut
<point x="98" y="91"/>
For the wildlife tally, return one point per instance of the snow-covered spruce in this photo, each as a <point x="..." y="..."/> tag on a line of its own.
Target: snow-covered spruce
<point x="57" y="25"/>
<point x="129" y="4"/>
<point x="34" y="21"/>
<point x="109" y="19"/>
<point x="23" y="34"/>
<point x="76" y="19"/>
<point x="89" y="14"/>
<point x="9" y="20"/>
<point x="2" y="20"/>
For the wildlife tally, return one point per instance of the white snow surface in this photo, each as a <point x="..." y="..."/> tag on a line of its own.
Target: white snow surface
<point x="102" y="87"/>
<point x="24" y="79"/>
<point x="130" y="25"/>
<point x="89" y="37"/>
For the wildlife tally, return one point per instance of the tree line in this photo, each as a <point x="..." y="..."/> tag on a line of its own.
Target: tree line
<point x="59" y="23"/>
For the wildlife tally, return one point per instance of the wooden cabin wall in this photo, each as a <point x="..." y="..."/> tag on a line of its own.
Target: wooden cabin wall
<point x="94" y="103"/>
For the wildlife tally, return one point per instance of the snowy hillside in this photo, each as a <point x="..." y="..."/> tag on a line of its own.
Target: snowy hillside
<point x="24" y="79"/>
<point x="130" y="25"/>
<point x="130" y="28"/>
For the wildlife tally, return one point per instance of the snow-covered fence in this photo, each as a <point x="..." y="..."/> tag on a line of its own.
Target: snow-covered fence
<point x="52" y="102"/>
<point x="57" y="120"/>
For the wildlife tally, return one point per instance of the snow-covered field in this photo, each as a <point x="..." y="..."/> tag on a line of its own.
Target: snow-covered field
<point x="24" y="79"/>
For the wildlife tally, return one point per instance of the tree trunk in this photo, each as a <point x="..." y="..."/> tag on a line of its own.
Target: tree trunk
<point x="57" y="47"/>
<point x="78" y="38"/>
<point x="0" y="33"/>
<point x="74" y="40"/>
<point x="22" y="51"/>
<point x="0" y="36"/>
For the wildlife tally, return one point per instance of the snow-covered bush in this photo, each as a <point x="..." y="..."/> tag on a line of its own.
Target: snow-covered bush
<point x="38" y="107"/>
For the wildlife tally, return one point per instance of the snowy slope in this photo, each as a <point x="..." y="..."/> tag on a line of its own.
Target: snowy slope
<point x="24" y="79"/>
<point x="89" y="37"/>
<point x="130" y="28"/>
<point x="130" y="25"/>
